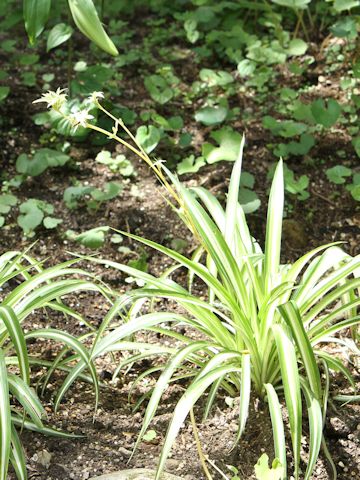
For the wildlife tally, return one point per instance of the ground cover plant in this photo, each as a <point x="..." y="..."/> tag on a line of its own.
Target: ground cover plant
<point x="186" y="79"/>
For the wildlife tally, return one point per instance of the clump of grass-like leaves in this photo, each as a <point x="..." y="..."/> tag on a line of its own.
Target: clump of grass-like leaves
<point x="37" y="288"/>
<point x="263" y="323"/>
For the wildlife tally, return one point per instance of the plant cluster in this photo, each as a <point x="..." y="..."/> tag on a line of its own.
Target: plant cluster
<point x="263" y="322"/>
<point x="38" y="289"/>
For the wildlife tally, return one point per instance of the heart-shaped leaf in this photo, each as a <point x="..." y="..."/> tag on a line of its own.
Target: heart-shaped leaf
<point x="325" y="115"/>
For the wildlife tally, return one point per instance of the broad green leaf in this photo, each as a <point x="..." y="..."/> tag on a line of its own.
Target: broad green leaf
<point x="73" y="194"/>
<point x="51" y="222"/>
<point x="341" y="5"/>
<point x="42" y="159"/>
<point x="264" y="472"/>
<point x="246" y="67"/>
<point x="356" y="144"/>
<point x="31" y="216"/>
<point x="148" y="137"/>
<point x="190" y="164"/>
<point x="284" y="128"/>
<point x="325" y="114"/>
<point x="338" y="174"/>
<point x="36" y="13"/>
<point x="159" y="88"/>
<point x="6" y="202"/>
<point x="58" y="35"/>
<point x="297" y="47"/>
<point x="93" y="238"/>
<point x="228" y="149"/>
<point x="354" y="187"/>
<point x="215" y="77"/>
<point x="345" y="27"/>
<point x="87" y="20"/>
<point x="110" y="191"/>
<point x="249" y="200"/>
<point x="149" y="435"/>
<point x="211" y="115"/>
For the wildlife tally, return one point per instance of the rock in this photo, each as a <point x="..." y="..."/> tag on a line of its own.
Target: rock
<point x="172" y="464"/>
<point x="136" y="474"/>
<point x="43" y="458"/>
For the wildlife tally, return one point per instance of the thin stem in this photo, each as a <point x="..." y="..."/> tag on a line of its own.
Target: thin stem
<point x="311" y="21"/>
<point x="300" y="16"/>
<point x="140" y="153"/>
<point x="69" y="58"/>
<point x="198" y="446"/>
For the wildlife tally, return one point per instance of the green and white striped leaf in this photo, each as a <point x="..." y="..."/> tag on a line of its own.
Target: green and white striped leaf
<point x="5" y="419"/>
<point x="291" y="383"/>
<point x="274" y="229"/>
<point x="12" y="324"/>
<point x="291" y="315"/>
<point x="277" y="426"/>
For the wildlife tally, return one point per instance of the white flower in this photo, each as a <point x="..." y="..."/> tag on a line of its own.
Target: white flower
<point x="80" y="118"/>
<point x="95" y="96"/>
<point x="53" y="99"/>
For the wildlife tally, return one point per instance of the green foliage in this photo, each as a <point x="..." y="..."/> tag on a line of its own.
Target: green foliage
<point x="87" y="20"/>
<point x="119" y="164"/>
<point x="7" y="201"/>
<point x="215" y="78"/>
<point x="326" y="115"/>
<point x="338" y="174"/>
<point x="58" y="35"/>
<point x="228" y="146"/>
<point x="35" y="212"/>
<point x="99" y="196"/>
<point x="36" y="289"/>
<point x="72" y="195"/>
<point x="84" y="14"/>
<point x="4" y="92"/>
<point x="264" y="472"/>
<point x="212" y="115"/>
<point x="93" y="238"/>
<point x="43" y="159"/>
<point x="297" y="187"/>
<point x="36" y="13"/>
<point x="161" y="86"/>
<point x="261" y="325"/>
<point x="354" y="187"/>
<point x="148" y="137"/>
<point x="190" y="164"/>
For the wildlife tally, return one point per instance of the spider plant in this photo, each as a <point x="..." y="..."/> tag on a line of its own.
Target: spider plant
<point x="37" y="288"/>
<point x="262" y="325"/>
